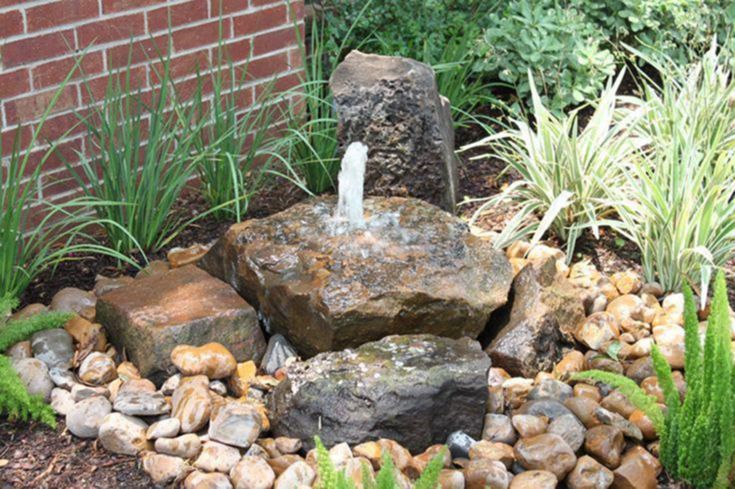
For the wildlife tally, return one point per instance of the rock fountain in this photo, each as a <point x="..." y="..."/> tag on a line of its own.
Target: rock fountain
<point x="332" y="273"/>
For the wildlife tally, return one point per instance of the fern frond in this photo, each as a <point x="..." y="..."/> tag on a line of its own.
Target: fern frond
<point x="632" y="391"/>
<point x="16" y="403"/>
<point x="368" y="482"/>
<point x="7" y="304"/>
<point x="325" y="467"/>
<point x="430" y="476"/>
<point x="21" y="329"/>
<point x="386" y="478"/>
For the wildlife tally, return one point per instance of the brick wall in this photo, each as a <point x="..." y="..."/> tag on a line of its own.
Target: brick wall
<point x="39" y="40"/>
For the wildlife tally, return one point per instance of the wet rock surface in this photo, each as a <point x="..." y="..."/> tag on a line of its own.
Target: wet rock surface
<point x="415" y="389"/>
<point x="413" y="269"/>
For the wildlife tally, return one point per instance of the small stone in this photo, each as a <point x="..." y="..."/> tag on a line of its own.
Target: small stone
<point x="651" y="387"/>
<point x="213" y="360"/>
<point x="298" y="474"/>
<point x="499" y="428"/>
<point x="653" y="288"/>
<point x="127" y="371"/>
<point x="53" y="347"/>
<point x="597" y="330"/>
<point x="627" y="282"/>
<point x="61" y="401"/>
<point x="483" y="473"/>
<point x="200" y="480"/>
<point x="534" y="479"/>
<point x="451" y="479"/>
<point x="63" y="378"/>
<point x="670" y="340"/>
<point x="421" y="460"/>
<point x="164" y="469"/>
<point x="28" y="311"/>
<point x="217" y="457"/>
<point x="589" y="474"/>
<point x="635" y="474"/>
<point x="528" y="425"/>
<point x="587" y="390"/>
<point x="584" y="409"/>
<point x="123" y="434"/>
<point x="644" y="424"/>
<point x="165" y="428"/>
<point x="606" y="444"/>
<point x="191" y="403"/>
<point x="640" y="453"/>
<point x="252" y="473"/>
<point x="141" y="403"/>
<point x="86" y="334"/>
<point x="185" y="446"/>
<point x="79" y="392"/>
<point x="614" y="419"/>
<point x="287" y="445"/>
<point x="493" y="451"/>
<point x="236" y="424"/>
<point x="618" y="403"/>
<point x="70" y="299"/>
<point x="571" y="363"/>
<point x="178" y="257"/>
<point x="626" y="307"/>
<point x="545" y="407"/>
<point x="218" y="387"/>
<point x="339" y="454"/>
<point x="170" y="385"/>
<point x="516" y="391"/>
<point x="156" y="267"/>
<point x="553" y="389"/>
<point x="599" y="361"/>
<point x="640" y="369"/>
<point x="278" y="351"/>
<point x="459" y="444"/>
<point x="239" y="382"/>
<point x="85" y="418"/>
<point x="34" y="375"/>
<point x="546" y="452"/>
<point x="20" y="350"/>
<point x="570" y="429"/>
<point x="97" y="369"/>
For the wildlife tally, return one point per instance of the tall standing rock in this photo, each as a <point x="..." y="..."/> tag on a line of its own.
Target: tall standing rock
<point x="392" y="104"/>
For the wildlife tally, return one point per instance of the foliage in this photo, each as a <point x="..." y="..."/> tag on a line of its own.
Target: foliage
<point x="565" y="173"/>
<point x="331" y="478"/>
<point x="15" y="402"/>
<point x="698" y="435"/>
<point x="563" y="49"/>
<point x="140" y="147"/>
<point x="678" y="207"/>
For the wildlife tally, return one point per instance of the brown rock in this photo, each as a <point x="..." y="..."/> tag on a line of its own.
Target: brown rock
<point x="493" y="451"/>
<point x="597" y="330"/>
<point x="637" y="452"/>
<point x="635" y="474"/>
<point x="528" y="425"/>
<point x="217" y="457"/>
<point x="534" y="479"/>
<point x="97" y="369"/>
<point x="588" y="391"/>
<point x="185" y="446"/>
<point x="103" y="285"/>
<point x="451" y="479"/>
<point x="240" y="381"/>
<point x="546" y="452"/>
<point x="627" y="282"/>
<point x="184" y="306"/>
<point x="280" y="464"/>
<point x="28" y="311"/>
<point x="191" y="403"/>
<point x="252" y="473"/>
<point x="213" y="360"/>
<point x="644" y="424"/>
<point x="200" y="480"/>
<point x="156" y="267"/>
<point x="20" y="350"/>
<point x="618" y="403"/>
<point x="670" y="340"/>
<point x="483" y="473"/>
<point x="626" y="307"/>
<point x="651" y="387"/>
<point x="499" y="428"/>
<point x="164" y="469"/>
<point x="86" y="334"/>
<point x="296" y="475"/>
<point x="606" y="444"/>
<point x="571" y="363"/>
<point x="516" y="390"/>
<point x="79" y="301"/>
<point x="589" y="474"/>
<point x="179" y="257"/>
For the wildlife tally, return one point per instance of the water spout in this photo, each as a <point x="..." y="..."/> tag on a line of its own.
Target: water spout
<point x="351" y="181"/>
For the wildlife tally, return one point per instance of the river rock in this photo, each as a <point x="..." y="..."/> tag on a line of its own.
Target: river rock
<point x="123" y="434"/>
<point x="97" y="369"/>
<point x="589" y="474"/>
<point x="164" y="469"/>
<point x="459" y="444"/>
<point x="546" y="452"/>
<point x="252" y="473"/>
<point x="217" y="457"/>
<point x="484" y="473"/>
<point x="635" y="473"/>
<point x="79" y="392"/>
<point x="53" y="347"/>
<point x="278" y="351"/>
<point x="63" y="378"/>
<point x="606" y="444"/>
<point x="296" y="475"/>
<point x="670" y="340"/>
<point x="412" y="269"/>
<point x="74" y="300"/>
<point x="213" y="360"/>
<point x="200" y="480"/>
<point x="103" y="285"/>
<point x="236" y="424"/>
<point x="528" y="425"/>
<point x="185" y="446"/>
<point x="191" y="403"/>
<point x="499" y="428"/>
<point x="85" y="418"/>
<point x="597" y="330"/>
<point x="178" y="257"/>
<point x="415" y="389"/>
<point x="86" y="334"/>
<point x="165" y="428"/>
<point x="35" y="377"/>
<point x="534" y="479"/>
<point x="392" y="104"/>
<point x="140" y="402"/>
<point x="570" y="429"/>
<point x="61" y="401"/>
<point x="185" y="306"/>
<point x="20" y="350"/>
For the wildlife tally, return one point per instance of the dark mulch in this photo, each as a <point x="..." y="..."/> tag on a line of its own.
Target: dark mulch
<point x="35" y="456"/>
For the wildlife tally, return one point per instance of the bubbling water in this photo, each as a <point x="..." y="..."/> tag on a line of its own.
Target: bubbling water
<point x="351" y="183"/>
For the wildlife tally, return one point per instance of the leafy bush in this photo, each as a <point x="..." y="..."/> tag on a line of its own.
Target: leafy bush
<point x="563" y="49"/>
<point x="678" y="207"/>
<point x="565" y="173"/>
<point x="15" y="402"/>
<point x="698" y="435"/>
<point x="331" y="478"/>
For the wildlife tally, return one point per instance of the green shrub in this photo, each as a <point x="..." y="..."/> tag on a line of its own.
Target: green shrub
<point x="564" y="50"/>
<point x="15" y="402"/>
<point x="331" y="478"/>
<point x="678" y="206"/>
<point x="698" y="435"/>
<point x="565" y="172"/>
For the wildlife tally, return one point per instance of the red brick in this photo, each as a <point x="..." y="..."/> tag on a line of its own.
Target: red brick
<point x="14" y="83"/>
<point x="115" y="29"/>
<point x="11" y="23"/>
<point x="234" y="51"/>
<point x="260" y="3"/>
<point x="94" y="90"/>
<point x="225" y="7"/>
<point x="58" y="157"/>
<point x="183" y="66"/>
<point x="8" y="139"/>
<point x="277" y="86"/>
<point x="267" y="67"/>
<point x="260" y="20"/>
<point x="123" y="5"/>
<point x="55" y="72"/>
<point x="295" y="12"/>
<point x="178" y="14"/>
<point x="59" y="13"/>
<point x="274" y="41"/>
<point x="63" y="126"/>
<point x="37" y="48"/>
<point x="33" y="106"/>
<point x="58" y="183"/>
<point x="144" y="50"/>
<point x="201" y="35"/>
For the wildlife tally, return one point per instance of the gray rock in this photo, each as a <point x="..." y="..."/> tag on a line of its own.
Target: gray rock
<point x="551" y="388"/>
<point x="61" y="401"/>
<point x="499" y="429"/>
<point x="201" y="480"/>
<point x="392" y="105"/>
<point x="413" y="269"/>
<point x="184" y="306"/>
<point x="185" y="446"/>
<point x="141" y="403"/>
<point x="54" y="347"/>
<point x="35" y="377"/>
<point x="236" y="424"/>
<point x="570" y="429"/>
<point x="414" y="389"/>
<point x="85" y="418"/>
<point x="614" y="419"/>
<point x="459" y="444"/>
<point x="551" y="408"/>
<point x="165" y="428"/>
<point x="279" y="350"/>
<point x="123" y="434"/>
<point x="63" y="378"/>
<point x="70" y="299"/>
<point x="79" y="392"/>
<point x="20" y="350"/>
<point x="217" y="457"/>
<point x="164" y="469"/>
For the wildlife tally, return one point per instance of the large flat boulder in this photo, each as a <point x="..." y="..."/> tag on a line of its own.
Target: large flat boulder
<point x="413" y="269"/>
<point x="392" y="104"/>
<point x="414" y="389"/>
<point x="154" y="314"/>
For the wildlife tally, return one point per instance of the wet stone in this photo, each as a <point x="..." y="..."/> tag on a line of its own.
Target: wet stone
<point x="534" y="479"/>
<point x="570" y="429"/>
<point x="459" y="444"/>
<point x="552" y="389"/>
<point x="546" y="452"/>
<point x="278" y="351"/>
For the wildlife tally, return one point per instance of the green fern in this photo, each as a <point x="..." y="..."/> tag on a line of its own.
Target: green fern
<point x="430" y="476"/>
<point x="698" y="435"/>
<point x="21" y="329"/>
